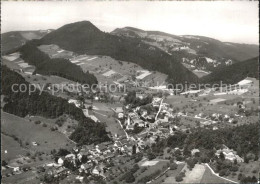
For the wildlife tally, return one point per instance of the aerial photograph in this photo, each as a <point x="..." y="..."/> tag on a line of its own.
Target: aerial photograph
<point x="130" y="92"/>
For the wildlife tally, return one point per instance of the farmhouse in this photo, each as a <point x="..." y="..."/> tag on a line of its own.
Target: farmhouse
<point x="230" y="154"/>
<point x="118" y="110"/>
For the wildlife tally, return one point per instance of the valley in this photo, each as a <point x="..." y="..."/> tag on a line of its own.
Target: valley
<point x="131" y="127"/>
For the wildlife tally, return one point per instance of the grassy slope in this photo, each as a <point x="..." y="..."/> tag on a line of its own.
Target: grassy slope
<point x="28" y="132"/>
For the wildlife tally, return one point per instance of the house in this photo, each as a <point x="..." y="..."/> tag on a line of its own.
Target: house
<point x="70" y="156"/>
<point x="118" y="110"/>
<point x="80" y="178"/>
<point x="143" y="113"/>
<point x="194" y="151"/>
<point x="60" y="161"/>
<point x="228" y="62"/>
<point x="34" y="144"/>
<point x="59" y="171"/>
<point x="96" y="171"/>
<point x="130" y="127"/>
<point x="85" y="167"/>
<point x="156" y="101"/>
<point x="75" y="102"/>
<point x="15" y="169"/>
<point x="120" y="115"/>
<point x="215" y="128"/>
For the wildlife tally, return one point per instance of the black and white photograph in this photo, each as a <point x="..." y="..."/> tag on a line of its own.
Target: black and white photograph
<point x="130" y="92"/>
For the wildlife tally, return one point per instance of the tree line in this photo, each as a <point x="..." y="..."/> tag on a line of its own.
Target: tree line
<point x="46" y="105"/>
<point x="56" y="66"/>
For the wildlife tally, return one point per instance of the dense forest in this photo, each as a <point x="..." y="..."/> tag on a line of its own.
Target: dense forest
<point x="85" y="38"/>
<point x="60" y="67"/>
<point x="234" y="73"/>
<point x="46" y="105"/>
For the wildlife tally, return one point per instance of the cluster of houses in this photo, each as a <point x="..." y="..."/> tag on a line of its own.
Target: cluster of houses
<point x="92" y="159"/>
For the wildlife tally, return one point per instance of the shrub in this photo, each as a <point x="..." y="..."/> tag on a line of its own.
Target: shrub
<point x="178" y="178"/>
<point x="37" y="122"/>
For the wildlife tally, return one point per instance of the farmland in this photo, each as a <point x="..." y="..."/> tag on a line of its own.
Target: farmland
<point x="105" y="68"/>
<point x="43" y="136"/>
<point x="169" y="176"/>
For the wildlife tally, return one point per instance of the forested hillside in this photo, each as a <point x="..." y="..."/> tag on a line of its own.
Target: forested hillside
<point x="46" y="105"/>
<point x="234" y="73"/>
<point x="204" y="46"/>
<point x="60" y="67"/>
<point x="85" y="38"/>
<point x="14" y="39"/>
<point x="243" y="139"/>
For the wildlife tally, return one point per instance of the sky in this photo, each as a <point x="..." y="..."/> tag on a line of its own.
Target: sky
<point x="229" y="21"/>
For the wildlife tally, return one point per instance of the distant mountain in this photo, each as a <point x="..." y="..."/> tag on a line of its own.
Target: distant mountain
<point x="14" y="39"/>
<point x="234" y="73"/>
<point x="195" y="45"/>
<point x="84" y="38"/>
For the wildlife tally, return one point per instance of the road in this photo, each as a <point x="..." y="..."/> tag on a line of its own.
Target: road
<point x="216" y="174"/>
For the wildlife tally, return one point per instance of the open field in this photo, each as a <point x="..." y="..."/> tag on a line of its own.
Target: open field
<point x="194" y="175"/>
<point x="250" y="169"/>
<point x="112" y="125"/>
<point x="169" y="176"/>
<point x="24" y="178"/>
<point x="107" y="69"/>
<point x="200" y="73"/>
<point x="159" y="165"/>
<point x="14" y="61"/>
<point x="12" y="148"/>
<point x="105" y="114"/>
<point x="208" y="177"/>
<point x="28" y="132"/>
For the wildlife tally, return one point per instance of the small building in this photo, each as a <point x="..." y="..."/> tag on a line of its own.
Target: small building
<point x="194" y="151"/>
<point x="118" y="110"/>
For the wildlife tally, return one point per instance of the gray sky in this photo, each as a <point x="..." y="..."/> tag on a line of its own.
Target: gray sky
<point x="232" y="21"/>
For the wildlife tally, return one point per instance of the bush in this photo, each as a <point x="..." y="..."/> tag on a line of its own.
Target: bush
<point x="239" y="176"/>
<point x="222" y="172"/>
<point x="37" y="122"/>
<point x="173" y="166"/>
<point x="178" y="178"/>
<point x="129" y="177"/>
<point x="4" y="163"/>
